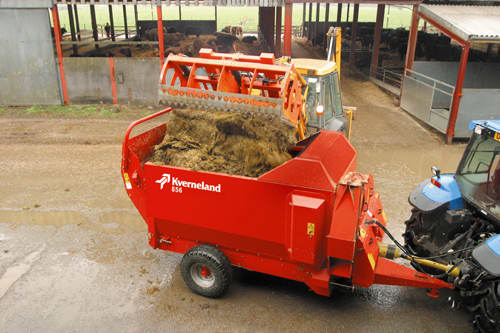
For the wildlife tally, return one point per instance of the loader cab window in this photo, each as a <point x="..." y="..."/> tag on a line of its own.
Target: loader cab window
<point x="323" y="90"/>
<point x="478" y="174"/>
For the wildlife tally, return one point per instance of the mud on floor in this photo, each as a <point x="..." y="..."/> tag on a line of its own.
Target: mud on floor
<point x="217" y="141"/>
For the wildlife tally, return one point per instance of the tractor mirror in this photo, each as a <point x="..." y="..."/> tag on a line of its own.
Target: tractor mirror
<point x="435" y="171"/>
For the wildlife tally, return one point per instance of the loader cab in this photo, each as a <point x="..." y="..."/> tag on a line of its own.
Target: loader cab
<point x="321" y="90"/>
<point x="478" y="174"/>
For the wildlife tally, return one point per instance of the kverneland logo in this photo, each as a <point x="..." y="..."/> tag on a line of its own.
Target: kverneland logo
<point x="178" y="184"/>
<point x="163" y="180"/>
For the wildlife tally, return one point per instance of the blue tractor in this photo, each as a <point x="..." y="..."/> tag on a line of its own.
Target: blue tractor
<point x="456" y="220"/>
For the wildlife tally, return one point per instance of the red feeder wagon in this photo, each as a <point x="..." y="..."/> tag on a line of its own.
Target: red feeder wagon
<point x="311" y="219"/>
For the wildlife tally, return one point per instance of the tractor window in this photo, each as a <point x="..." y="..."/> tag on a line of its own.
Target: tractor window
<point x="312" y="100"/>
<point x="478" y="174"/>
<point x="328" y="102"/>
<point x="337" y="100"/>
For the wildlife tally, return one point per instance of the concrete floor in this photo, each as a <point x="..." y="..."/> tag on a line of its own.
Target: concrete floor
<point x="74" y="255"/>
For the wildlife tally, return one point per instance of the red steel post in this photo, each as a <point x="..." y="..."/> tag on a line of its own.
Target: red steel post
<point x="277" y="43"/>
<point x="287" y="40"/>
<point x="376" y="39"/>
<point x="113" y="79"/>
<point x="457" y="94"/>
<point x="412" y="39"/>
<point x="57" y="36"/>
<point x="161" y="45"/>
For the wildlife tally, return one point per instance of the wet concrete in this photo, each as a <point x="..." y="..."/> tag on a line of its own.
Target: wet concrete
<point x="74" y="254"/>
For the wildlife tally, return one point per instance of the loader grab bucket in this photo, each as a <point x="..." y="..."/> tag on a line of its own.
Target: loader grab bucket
<point x="234" y="83"/>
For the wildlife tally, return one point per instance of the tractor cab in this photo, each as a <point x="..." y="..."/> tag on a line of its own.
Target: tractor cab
<point x="322" y="95"/>
<point x="478" y="174"/>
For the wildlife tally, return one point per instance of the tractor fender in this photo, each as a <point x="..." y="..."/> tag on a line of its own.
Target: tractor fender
<point x="427" y="197"/>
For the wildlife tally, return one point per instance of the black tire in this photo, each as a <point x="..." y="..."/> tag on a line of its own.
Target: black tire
<point x="486" y="309"/>
<point x="414" y="229"/>
<point x="206" y="271"/>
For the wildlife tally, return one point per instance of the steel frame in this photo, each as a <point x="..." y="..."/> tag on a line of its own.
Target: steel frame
<point x="410" y="56"/>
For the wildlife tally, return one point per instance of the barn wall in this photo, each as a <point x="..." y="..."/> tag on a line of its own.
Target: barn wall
<point x="137" y="80"/>
<point x="28" y="72"/>
<point x="483" y="75"/>
<point x="89" y="80"/>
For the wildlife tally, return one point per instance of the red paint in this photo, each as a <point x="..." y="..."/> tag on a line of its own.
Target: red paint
<point x="205" y="272"/>
<point x="113" y="79"/>
<point x="412" y="40"/>
<point x="281" y="86"/>
<point x="160" y="34"/>
<point x="287" y="38"/>
<point x="457" y="94"/>
<point x="303" y="220"/>
<point x="57" y="36"/>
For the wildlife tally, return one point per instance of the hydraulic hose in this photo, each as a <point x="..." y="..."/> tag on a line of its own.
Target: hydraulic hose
<point x="388" y="251"/>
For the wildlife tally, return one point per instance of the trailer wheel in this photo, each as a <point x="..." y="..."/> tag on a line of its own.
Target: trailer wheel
<point x="206" y="271"/>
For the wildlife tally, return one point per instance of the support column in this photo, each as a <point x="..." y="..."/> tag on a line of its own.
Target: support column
<point x="125" y="20"/>
<point x="339" y="14"/>
<point x="72" y="28"/>
<point x="354" y="35"/>
<point x="457" y="94"/>
<point x="376" y="39"/>
<point x="110" y="9"/>
<point x="277" y="39"/>
<point x="77" y="23"/>
<point x="316" y="25"/>
<point x="348" y="7"/>
<point x="266" y="25"/>
<point x="57" y="37"/>
<point x="303" y="19"/>
<point x="216" y="18"/>
<point x="287" y="43"/>
<point x="94" y="23"/>
<point x="136" y="16"/>
<point x="412" y="40"/>
<point x="180" y="14"/>
<point x="309" y="29"/>
<point x="161" y="45"/>
<point x="327" y="18"/>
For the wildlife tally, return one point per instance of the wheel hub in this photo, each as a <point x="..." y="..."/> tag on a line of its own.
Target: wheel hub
<point x="202" y="275"/>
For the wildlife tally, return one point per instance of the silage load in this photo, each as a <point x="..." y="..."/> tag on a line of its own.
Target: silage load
<point x="217" y="141"/>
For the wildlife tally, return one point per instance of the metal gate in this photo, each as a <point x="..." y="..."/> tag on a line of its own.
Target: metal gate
<point x="28" y="72"/>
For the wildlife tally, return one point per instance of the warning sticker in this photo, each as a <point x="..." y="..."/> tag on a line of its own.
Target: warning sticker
<point x="310" y="229"/>
<point x="128" y="185"/>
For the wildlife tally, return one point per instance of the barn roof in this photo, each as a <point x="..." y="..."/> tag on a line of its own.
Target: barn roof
<point x="236" y="3"/>
<point x="470" y="23"/>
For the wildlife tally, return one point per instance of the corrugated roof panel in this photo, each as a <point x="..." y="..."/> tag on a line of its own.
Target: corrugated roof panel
<point x="471" y="23"/>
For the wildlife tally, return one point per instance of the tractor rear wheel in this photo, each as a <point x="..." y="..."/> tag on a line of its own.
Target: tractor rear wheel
<point x="486" y="309"/>
<point x="206" y="271"/>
